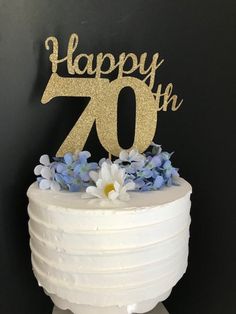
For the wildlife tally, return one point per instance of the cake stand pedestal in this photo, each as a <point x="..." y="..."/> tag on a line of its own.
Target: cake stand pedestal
<point x="159" y="309"/>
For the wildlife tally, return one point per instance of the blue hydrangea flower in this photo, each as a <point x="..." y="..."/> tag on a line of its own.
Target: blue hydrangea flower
<point x="132" y="161"/>
<point x="82" y="170"/>
<point x="72" y="171"/>
<point x="153" y="171"/>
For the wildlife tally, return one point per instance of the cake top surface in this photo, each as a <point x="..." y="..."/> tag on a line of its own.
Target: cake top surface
<point x="138" y="200"/>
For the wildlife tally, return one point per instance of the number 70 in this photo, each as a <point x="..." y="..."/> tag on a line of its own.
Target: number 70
<point x="102" y="109"/>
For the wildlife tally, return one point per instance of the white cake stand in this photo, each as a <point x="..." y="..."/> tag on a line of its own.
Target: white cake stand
<point x="159" y="309"/>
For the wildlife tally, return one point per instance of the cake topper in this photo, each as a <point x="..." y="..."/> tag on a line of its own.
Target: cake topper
<point x="104" y="95"/>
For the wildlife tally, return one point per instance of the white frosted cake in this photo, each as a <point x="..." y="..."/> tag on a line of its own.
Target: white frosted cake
<point x="97" y="249"/>
<point x="96" y="256"/>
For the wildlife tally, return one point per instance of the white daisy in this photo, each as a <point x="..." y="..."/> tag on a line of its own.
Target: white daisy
<point x="110" y="183"/>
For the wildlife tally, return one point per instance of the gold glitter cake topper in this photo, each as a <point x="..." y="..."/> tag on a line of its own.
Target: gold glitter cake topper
<point x="104" y="95"/>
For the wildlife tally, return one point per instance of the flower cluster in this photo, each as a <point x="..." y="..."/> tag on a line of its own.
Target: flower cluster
<point x="70" y="172"/>
<point x="131" y="171"/>
<point x="149" y="171"/>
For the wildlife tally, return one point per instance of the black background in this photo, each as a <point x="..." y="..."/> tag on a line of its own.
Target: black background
<point x="196" y="39"/>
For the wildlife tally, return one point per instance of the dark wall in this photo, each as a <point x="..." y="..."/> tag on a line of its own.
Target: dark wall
<point x="196" y="39"/>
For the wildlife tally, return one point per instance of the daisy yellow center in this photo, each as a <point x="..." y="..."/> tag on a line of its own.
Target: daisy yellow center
<point x="108" y="188"/>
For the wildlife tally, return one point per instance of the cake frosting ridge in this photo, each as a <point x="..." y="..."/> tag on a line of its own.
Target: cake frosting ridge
<point x="85" y="252"/>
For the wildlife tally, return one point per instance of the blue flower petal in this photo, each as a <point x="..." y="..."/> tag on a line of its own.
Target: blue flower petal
<point x="68" y="179"/>
<point x="147" y="187"/>
<point x="85" y="176"/>
<point x="77" y="169"/>
<point x="166" y="164"/>
<point x="93" y="166"/>
<point x="74" y="187"/>
<point x="83" y="156"/>
<point x="60" y="179"/>
<point x="155" y="173"/>
<point x="157" y="161"/>
<point x="139" y="183"/>
<point x="175" y="172"/>
<point x="168" y="173"/>
<point x="60" y="167"/>
<point x="68" y="158"/>
<point x="165" y="155"/>
<point x="147" y="173"/>
<point x="158" y="183"/>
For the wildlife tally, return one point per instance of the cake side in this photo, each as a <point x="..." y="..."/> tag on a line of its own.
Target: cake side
<point x="88" y="254"/>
